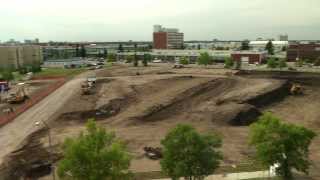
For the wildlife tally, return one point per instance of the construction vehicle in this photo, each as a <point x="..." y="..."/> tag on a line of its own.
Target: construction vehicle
<point x="153" y="153"/>
<point x="19" y="96"/>
<point x="88" y="85"/>
<point x="296" y="89"/>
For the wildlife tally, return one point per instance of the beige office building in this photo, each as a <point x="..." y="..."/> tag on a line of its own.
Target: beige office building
<point x="19" y="56"/>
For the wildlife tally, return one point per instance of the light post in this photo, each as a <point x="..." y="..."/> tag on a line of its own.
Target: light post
<point x="50" y="146"/>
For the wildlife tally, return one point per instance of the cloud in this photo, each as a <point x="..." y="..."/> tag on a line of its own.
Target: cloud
<point x="101" y="20"/>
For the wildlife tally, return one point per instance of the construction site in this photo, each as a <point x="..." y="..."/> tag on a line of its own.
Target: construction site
<point x="141" y="104"/>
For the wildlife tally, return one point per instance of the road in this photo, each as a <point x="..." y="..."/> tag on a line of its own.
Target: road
<point x="13" y="134"/>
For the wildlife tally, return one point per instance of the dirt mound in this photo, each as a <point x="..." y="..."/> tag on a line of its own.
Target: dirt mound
<point x="31" y="160"/>
<point x="185" y="100"/>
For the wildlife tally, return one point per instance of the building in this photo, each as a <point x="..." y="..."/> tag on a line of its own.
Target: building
<point x="171" y="55"/>
<point x="167" y="38"/>
<point x="19" y="56"/>
<point x="297" y="51"/>
<point x="261" y="45"/>
<point x="283" y="37"/>
<point x="250" y="57"/>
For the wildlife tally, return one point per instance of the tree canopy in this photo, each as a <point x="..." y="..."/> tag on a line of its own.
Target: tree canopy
<point x="204" y="59"/>
<point x="270" y="48"/>
<point x="228" y="62"/>
<point x="188" y="154"/>
<point x="183" y="60"/>
<point x="245" y="45"/>
<point x="280" y="143"/>
<point x="94" y="155"/>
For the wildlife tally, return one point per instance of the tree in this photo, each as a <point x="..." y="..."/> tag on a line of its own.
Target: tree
<point x="272" y="63"/>
<point x="111" y="57"/>
<point x="282" y="63"/>
<point x="105" y="52"/>
<point x="299" y="62"/>
<point x="83" y="52"/>
<point x="317" y="62"/>
<point x="199" y="46"/>
<point x="135" y="60"/>
<point x="146" y="58"/>
<point x="183" y="60"/>
<point x="228" y="62"/>
<point x="280" y="143"/>
<point x="188" y="154"/>
<point x="204" y="59"/>
<point x="120" y="48"/>
<point x="77" y="50"/>
<point x="270" y="48"/>
<point x="245" y="45"/>
<point x="7" y="74"/>
<point x="94" y="155"/>
<point x="129" y="58"/>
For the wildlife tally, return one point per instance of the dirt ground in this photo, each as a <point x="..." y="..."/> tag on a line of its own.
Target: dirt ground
<point x="142" y="104"/>
<point x="32" y="87"/>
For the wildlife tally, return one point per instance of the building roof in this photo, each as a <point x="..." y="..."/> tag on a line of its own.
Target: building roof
<point x="265" y="42"/>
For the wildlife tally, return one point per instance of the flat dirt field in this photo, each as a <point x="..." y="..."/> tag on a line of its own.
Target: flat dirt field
<point x="142" y="104"/>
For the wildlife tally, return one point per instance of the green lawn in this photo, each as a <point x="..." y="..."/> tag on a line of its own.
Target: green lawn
<point x="59" y="72"/>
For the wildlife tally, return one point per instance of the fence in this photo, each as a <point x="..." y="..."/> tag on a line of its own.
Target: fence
<point x="32" y="101"/>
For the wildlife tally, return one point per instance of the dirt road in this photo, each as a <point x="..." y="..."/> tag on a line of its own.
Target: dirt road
<point x="12" y="134"/>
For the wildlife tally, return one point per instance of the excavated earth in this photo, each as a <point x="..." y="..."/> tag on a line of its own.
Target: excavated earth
<point x="142" y="109"/>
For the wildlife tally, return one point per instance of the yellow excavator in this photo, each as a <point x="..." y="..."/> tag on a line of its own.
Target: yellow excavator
<point x="19" y="96"/>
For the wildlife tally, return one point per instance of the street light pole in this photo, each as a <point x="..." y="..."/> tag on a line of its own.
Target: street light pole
<point x="50" y="147"/>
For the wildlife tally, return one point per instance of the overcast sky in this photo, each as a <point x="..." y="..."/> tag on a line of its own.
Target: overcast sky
<point x="123" y="20"/>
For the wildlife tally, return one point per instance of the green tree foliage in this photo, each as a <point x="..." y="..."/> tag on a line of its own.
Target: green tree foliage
<point x="282" y="63"/>
<point x="299" y="63"/>
<point x="120" y="48"/>
<point x="6" y="74"/>
<point x="105" y="52"/>
<point x="111" y="57"/>
<point x="135" y="60"/>
<point x="245" y="45"/>
<point x="317" y="62"/>
<point x="228" y="62"/>
<point x="129" y="59"/>
<point x="147" y="57"/>
<point x="188" y="154"/>
<point x="272" y="63"/>
<point x="204" y="59"/>
<point x="183" y="60"/>
<point x="94" y="155"/>
<point x="279" y="143"/>
<point x="83" y="52"/>
<point x="270" y="48"/>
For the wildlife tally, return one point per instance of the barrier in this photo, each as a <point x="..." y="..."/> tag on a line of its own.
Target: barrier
<point x="32" y="101"/>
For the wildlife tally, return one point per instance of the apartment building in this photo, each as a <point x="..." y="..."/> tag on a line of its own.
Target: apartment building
<point x="167" y="38"/>
<point x="19" y="56"/>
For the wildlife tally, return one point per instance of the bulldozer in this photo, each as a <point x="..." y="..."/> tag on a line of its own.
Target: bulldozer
<point x="19" y="96"/>
<point x="296" y="89"/>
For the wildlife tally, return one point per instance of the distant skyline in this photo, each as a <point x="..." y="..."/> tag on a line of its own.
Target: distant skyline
<point x="124" y="20"/>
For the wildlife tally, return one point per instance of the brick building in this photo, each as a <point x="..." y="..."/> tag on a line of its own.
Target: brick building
<point x="303" y="51"/>
<point x="167" y="38"/>
<point x="250" y="57"/>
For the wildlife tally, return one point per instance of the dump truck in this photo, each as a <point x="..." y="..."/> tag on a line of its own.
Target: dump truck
<point x="19" y="96"/>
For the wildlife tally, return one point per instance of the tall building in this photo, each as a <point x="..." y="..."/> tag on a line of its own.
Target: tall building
<point x="283" y="37"/>
<point x="18" y="56"/>
<point x="167" y="38"/>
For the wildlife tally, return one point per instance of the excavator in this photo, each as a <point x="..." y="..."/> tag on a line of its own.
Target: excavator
<point x="19" y="96"/>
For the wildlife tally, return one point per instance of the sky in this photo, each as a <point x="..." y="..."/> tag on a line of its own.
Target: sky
<point x="124" y="20"/>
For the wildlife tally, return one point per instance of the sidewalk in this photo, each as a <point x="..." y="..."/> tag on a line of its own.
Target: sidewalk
<point x="237" y="176"/>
